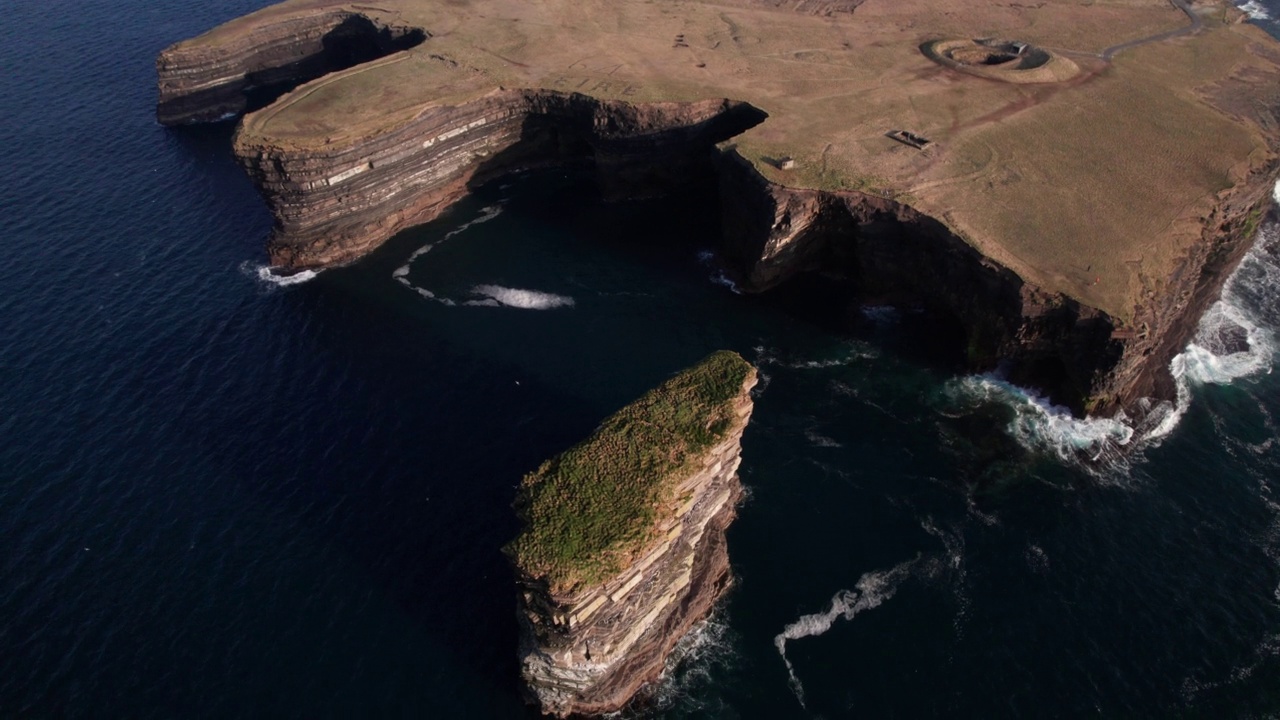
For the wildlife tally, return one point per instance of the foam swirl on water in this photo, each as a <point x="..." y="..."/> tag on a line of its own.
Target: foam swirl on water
<point x="1042" y="426"/>
<point x="518" y="298"/>
<point x="482" y="295"/>
<point x="870" y="592"/>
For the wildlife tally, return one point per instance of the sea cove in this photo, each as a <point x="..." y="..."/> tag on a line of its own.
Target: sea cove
<point x="227" y="498"/>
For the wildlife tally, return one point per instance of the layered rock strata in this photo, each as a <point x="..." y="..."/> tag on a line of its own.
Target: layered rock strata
<point x="1083" y="357"/>
<point x="1076" y="230"/>
<point x="202" y="82"/>
<point x="590" y="639"/>
<point x="337" y="202"/>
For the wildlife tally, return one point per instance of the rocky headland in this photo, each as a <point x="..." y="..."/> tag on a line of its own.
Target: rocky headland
<point x="1073" y="211"/>
<point x="623" y="547"/>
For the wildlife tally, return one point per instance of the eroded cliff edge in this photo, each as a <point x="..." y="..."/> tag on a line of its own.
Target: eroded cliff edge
<point x="336" y="202"/>
<point x="1082" y="357"/>
<point x="623" y="548"/>
<point x="1075" y="230"/>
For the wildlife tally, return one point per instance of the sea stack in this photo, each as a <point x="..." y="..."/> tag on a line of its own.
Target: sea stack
<point x="623" y="549"/>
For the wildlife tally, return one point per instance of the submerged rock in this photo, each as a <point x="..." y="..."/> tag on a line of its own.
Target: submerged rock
<point x="623" y="546"/>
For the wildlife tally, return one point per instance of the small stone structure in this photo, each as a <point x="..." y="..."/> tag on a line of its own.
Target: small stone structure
<point x="906" y="137"/>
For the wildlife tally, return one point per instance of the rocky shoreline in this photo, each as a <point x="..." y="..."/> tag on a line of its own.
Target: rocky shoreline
<point x="334" y="202"/>
<point x="591" y="639"/>
<point x="1081" y="357"/>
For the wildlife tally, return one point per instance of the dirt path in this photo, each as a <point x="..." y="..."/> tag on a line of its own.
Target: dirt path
<point x="1196" y="24"/>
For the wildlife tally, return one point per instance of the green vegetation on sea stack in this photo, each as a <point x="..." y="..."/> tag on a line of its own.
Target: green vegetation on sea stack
<point x="595" y="507"/>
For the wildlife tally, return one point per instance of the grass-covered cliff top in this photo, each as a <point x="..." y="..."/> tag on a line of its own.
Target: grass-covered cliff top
<point x="1094" y="187"/>
<point x="594" y="508"/>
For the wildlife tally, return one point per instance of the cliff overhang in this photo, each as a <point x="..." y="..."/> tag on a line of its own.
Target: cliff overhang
<point x="1085" y="222"/>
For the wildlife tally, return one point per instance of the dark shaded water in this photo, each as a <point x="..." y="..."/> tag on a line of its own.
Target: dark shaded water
<point x="224" y="498"/>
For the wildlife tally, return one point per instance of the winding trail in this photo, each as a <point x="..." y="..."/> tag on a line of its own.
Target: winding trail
<point x="1196" y="24"/>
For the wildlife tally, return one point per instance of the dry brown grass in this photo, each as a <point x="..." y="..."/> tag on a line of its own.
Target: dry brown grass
<point x="1079" y="186"/>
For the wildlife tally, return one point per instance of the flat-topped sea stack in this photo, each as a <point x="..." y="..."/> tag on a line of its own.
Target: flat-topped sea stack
<point x="623" y="546"/>
<point x="1070" y="182"/>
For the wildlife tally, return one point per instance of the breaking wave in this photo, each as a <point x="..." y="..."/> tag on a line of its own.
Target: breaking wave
<point x="691" y="672"/>
<point x="274" y="276"/>
<point x="1234" y="340"/>
<point x="1255" y="10"/>
<point x="1039" y="425"/>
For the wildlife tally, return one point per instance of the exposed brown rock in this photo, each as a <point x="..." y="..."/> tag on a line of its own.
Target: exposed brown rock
<point x="201" y="82"/>
<point x="335" y="203"/>
<point x="1072" y="229"/>
<point x="588" y="652"/>
<point x="1086" y="359"/>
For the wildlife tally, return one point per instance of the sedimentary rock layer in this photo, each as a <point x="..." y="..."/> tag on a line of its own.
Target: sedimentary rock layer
<point x="1076" y="230"/>
<point x="1083" y="357"/>
<point x="588" y="649"/>
<point x="201" y="82"/>
<point x="335" y="203"/>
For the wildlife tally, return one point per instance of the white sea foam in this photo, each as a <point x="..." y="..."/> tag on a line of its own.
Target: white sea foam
<point x="1039" y="425"/>
<point x="1037" y="559"/>
<point x="517" y="298"/>
<point x="1255" y="10"/>
<point x="402" y="273"/>
<point x="720" y="278"/>
<point x="487" y="213"/>
<point x="871" y="590"/>
<point x="690" y="671"/>
<point x="1234" y="339"/>
<point x="274" y="276"/>
<point x="856" y="351"/>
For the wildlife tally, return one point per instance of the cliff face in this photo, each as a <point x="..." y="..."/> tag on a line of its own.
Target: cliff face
<point x="589" y="646"/>
<point x="202" y="82"/>
<point x="1086" y="293"/>
<point x="333" y="204"/>
<point x="1084" y="358"/>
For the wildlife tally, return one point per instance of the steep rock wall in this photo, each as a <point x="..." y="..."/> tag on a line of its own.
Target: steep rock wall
<point x="1084" y="358"/>
<point x="589" y="652"/>
<point x="335" y="204"/>
<point x="201" y="82"/>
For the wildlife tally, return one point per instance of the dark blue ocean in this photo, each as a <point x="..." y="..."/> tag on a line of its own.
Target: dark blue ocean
<point x="224" y="497"/>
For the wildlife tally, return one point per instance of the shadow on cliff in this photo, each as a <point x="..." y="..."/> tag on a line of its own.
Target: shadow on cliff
<point x="354" y="41"/>
<point x="633" y="154"/>
<point x="268" y="69"/>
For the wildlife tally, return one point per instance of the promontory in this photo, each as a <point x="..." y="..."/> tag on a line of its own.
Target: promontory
<point x="623" y="546"/>
<point x="1070" y="182"/>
